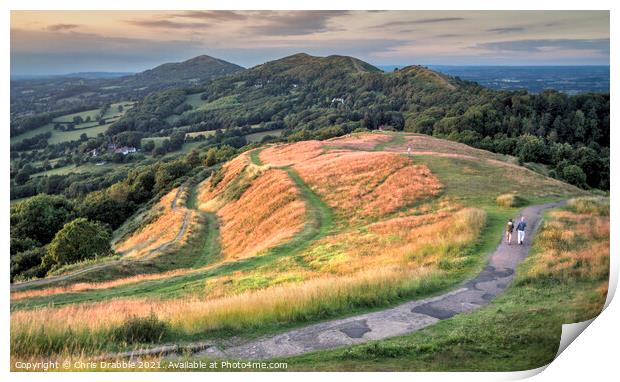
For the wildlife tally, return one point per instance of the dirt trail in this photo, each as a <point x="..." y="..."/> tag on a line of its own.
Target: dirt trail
<point x="406" y="318"/>
<point x="95" y="267"/>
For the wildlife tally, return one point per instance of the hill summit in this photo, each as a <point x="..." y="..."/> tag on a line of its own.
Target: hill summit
<point x="200" y="68"/>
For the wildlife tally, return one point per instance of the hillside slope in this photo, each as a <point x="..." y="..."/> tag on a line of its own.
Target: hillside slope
<point x="309" y="230"/>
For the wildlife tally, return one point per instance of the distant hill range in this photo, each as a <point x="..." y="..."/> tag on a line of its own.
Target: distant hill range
<point x="36" y="94"/>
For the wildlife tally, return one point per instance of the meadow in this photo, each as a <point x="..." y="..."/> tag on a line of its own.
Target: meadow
<point x="291" y="234"/>
<point x="564" y="280"/>
<point x="91" y="129"/>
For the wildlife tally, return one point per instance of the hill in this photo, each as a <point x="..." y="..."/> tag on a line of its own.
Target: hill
<point x="193" y="71"/>
<point x="82" y="91"/>
<point x="290" y="233"/>
<point x="303" y="97"/>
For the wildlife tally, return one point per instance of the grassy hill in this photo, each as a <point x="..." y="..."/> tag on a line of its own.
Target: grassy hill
<point x="195" y="70"/>
<point x="288" y="234"/>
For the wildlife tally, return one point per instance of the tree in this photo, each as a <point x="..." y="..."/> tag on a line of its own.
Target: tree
<point x="573" y="174"/>
<point x="531" y="149"/>
<point x="193" y="159"/>
<point x="149" y="146"/>
<point x="26" y="260"/>
<point x="78" y="240"/>
<point x="83" y="137"/>
<point x="103" y="207"/>
<point x="22" y="177"/>
<point x="40" y="217"/>
<point x="211" y="157"/>
<point x="176" y="140"/>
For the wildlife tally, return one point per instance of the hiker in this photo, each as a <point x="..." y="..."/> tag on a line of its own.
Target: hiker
<point x="409" y="150"/>
<point x="521" y="230"/>
<point x="509" y="228"/>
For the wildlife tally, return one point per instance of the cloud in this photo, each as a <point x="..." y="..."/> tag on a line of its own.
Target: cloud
<point x="506" y="30"/>
<point x="447" y="35"/>
<point x="167" y="24"/>
<point x="542" y="45"/>
<point x="420" y="21"/>
<point x="294" y="23"/>
<point x="211" y="15"/>
<point x="438" y="20"/>
<point x="61" y="27"/>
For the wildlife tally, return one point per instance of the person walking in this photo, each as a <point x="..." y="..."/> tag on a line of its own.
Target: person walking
<point x="509" y="228"/>
<point x="521" y="231"/>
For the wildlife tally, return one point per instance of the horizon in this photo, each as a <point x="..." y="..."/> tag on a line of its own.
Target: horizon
<point x="379" y="66"/>
<point x="62" y="42"/>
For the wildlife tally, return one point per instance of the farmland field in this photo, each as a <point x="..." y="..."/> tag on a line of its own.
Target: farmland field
<point x="91" y="129"/>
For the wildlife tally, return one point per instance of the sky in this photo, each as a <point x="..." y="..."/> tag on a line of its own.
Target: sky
<point x="56" y="42"/>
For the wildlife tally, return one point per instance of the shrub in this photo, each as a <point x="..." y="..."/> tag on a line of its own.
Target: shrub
<point x="510" y="200"/>
<point x="78" y="240"/>
<point x="573" y="174"/>
<point x="137" y="329"/>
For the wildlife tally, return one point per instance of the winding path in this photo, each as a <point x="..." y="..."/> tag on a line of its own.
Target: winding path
<point x="406" y="318"/>
<point x="95" y="267"/>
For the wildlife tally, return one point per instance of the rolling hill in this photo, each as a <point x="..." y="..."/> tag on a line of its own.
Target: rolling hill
<point x="289" y="233"/>
<point x="179" y="74"/>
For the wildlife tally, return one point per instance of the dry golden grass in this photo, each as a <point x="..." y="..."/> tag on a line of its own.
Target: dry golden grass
<point x="195" y="316"/>
<point x="360" y="184"/>
<point x="207" y="191"/>
<point x="161" y="231"/>
<point x="425" y="144"/>
<point x="509" y="200"/>
<point x="575" y="244"/>
<point x="366" y="141"/>
<point x="285" y="155"/>
<point x="81" y="287"/>
<point x="393" y="257"/>
<point x="429" y="241"/>
<point x="269" y="212"/>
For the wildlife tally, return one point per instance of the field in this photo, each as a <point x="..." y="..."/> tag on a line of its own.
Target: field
<point x="290" y="234"/>
<point x="91" y="129"/>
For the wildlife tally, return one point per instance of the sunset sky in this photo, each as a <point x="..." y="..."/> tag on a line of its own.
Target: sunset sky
<point x="53" y="42"/>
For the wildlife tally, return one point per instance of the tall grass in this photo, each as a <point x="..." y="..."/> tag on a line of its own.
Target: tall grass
<point x="269" y="212"/>
<point x="162" y="230"/>
<point x="286" y="155"/>
<point x="361" y="184"/>
<point x="364" y="141"/>
<point x="89" y="328"/>
<point x="573" y="244"/>
<point x="510" y="200"/>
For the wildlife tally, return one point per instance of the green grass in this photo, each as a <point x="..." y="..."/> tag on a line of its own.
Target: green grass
<point x="257" y="137"/>
<point x="519" y="330"/>
<point x="87" y="167"/>
<point x="477" y="187"/>
<point x="91" y="129"/>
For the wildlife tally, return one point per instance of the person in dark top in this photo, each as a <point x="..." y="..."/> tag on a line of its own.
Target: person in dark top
<point x="521" y="230"/>
<point x="509" y="228"/>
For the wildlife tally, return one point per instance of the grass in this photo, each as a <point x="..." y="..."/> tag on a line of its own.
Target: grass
<point x="329" y="269"/>
<point x="257" y="137"/>
<point x="510" y="201"/>
<point x="91" y="129"/>
<point x="502" y="336"/>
